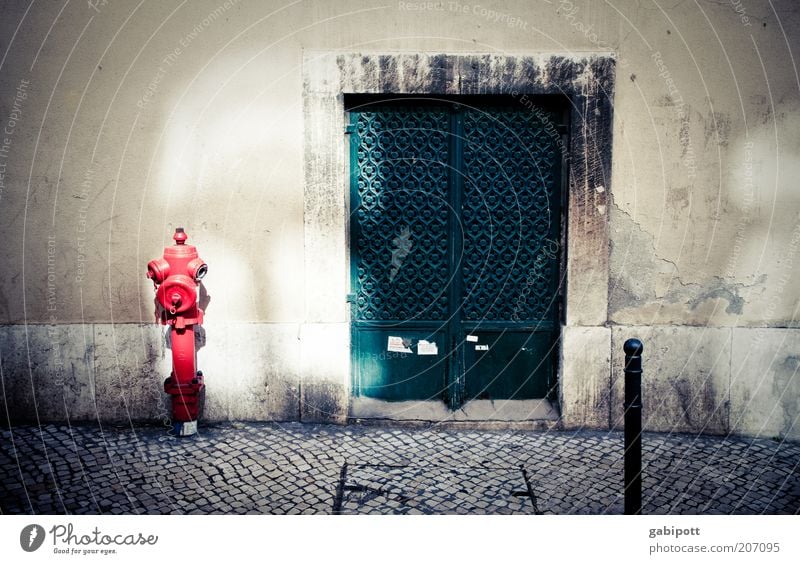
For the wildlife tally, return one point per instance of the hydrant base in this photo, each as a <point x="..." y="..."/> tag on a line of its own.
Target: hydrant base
<point x="185" y="428"/>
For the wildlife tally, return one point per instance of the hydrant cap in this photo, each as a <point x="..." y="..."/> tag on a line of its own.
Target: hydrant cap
<point x="180" y="236"/>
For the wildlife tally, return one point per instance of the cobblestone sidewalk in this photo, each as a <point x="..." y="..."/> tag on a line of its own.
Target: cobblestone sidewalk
<point x="295" y="468"/>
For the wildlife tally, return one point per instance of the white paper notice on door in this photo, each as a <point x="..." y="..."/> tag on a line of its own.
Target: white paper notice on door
<point x="397" y="344"/>
<point x="427" y="348"/>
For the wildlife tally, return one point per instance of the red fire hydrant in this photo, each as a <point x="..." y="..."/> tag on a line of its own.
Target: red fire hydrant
<point x="176" y="278"/>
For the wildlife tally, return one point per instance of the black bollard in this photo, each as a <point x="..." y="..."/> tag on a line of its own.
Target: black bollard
<point x="633" y="426"/>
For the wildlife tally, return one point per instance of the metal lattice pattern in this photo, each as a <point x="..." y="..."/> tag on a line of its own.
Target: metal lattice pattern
<point x="401" y="237"/>
<point x="510" y="216"/>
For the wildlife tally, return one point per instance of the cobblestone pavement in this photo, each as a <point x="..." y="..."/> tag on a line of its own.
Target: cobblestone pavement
<point x="296" y="468"/>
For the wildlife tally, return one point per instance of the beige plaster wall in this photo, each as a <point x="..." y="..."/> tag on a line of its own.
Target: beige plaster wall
<point x="121" y="121"/>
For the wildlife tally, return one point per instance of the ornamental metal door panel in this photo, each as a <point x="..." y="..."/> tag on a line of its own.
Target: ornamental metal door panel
<point x="455" y="230"/>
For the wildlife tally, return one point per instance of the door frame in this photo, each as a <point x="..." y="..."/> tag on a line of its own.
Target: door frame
<point x="585" y="79"/>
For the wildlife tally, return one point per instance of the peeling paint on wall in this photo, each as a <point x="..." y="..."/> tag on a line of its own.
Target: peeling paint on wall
<point x="642" y="281"/>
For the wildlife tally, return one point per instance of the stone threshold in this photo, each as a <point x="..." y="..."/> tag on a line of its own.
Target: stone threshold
<point x="539" y="414"/>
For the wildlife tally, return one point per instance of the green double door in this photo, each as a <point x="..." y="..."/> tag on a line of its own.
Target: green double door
<point x="455" y="247"/>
